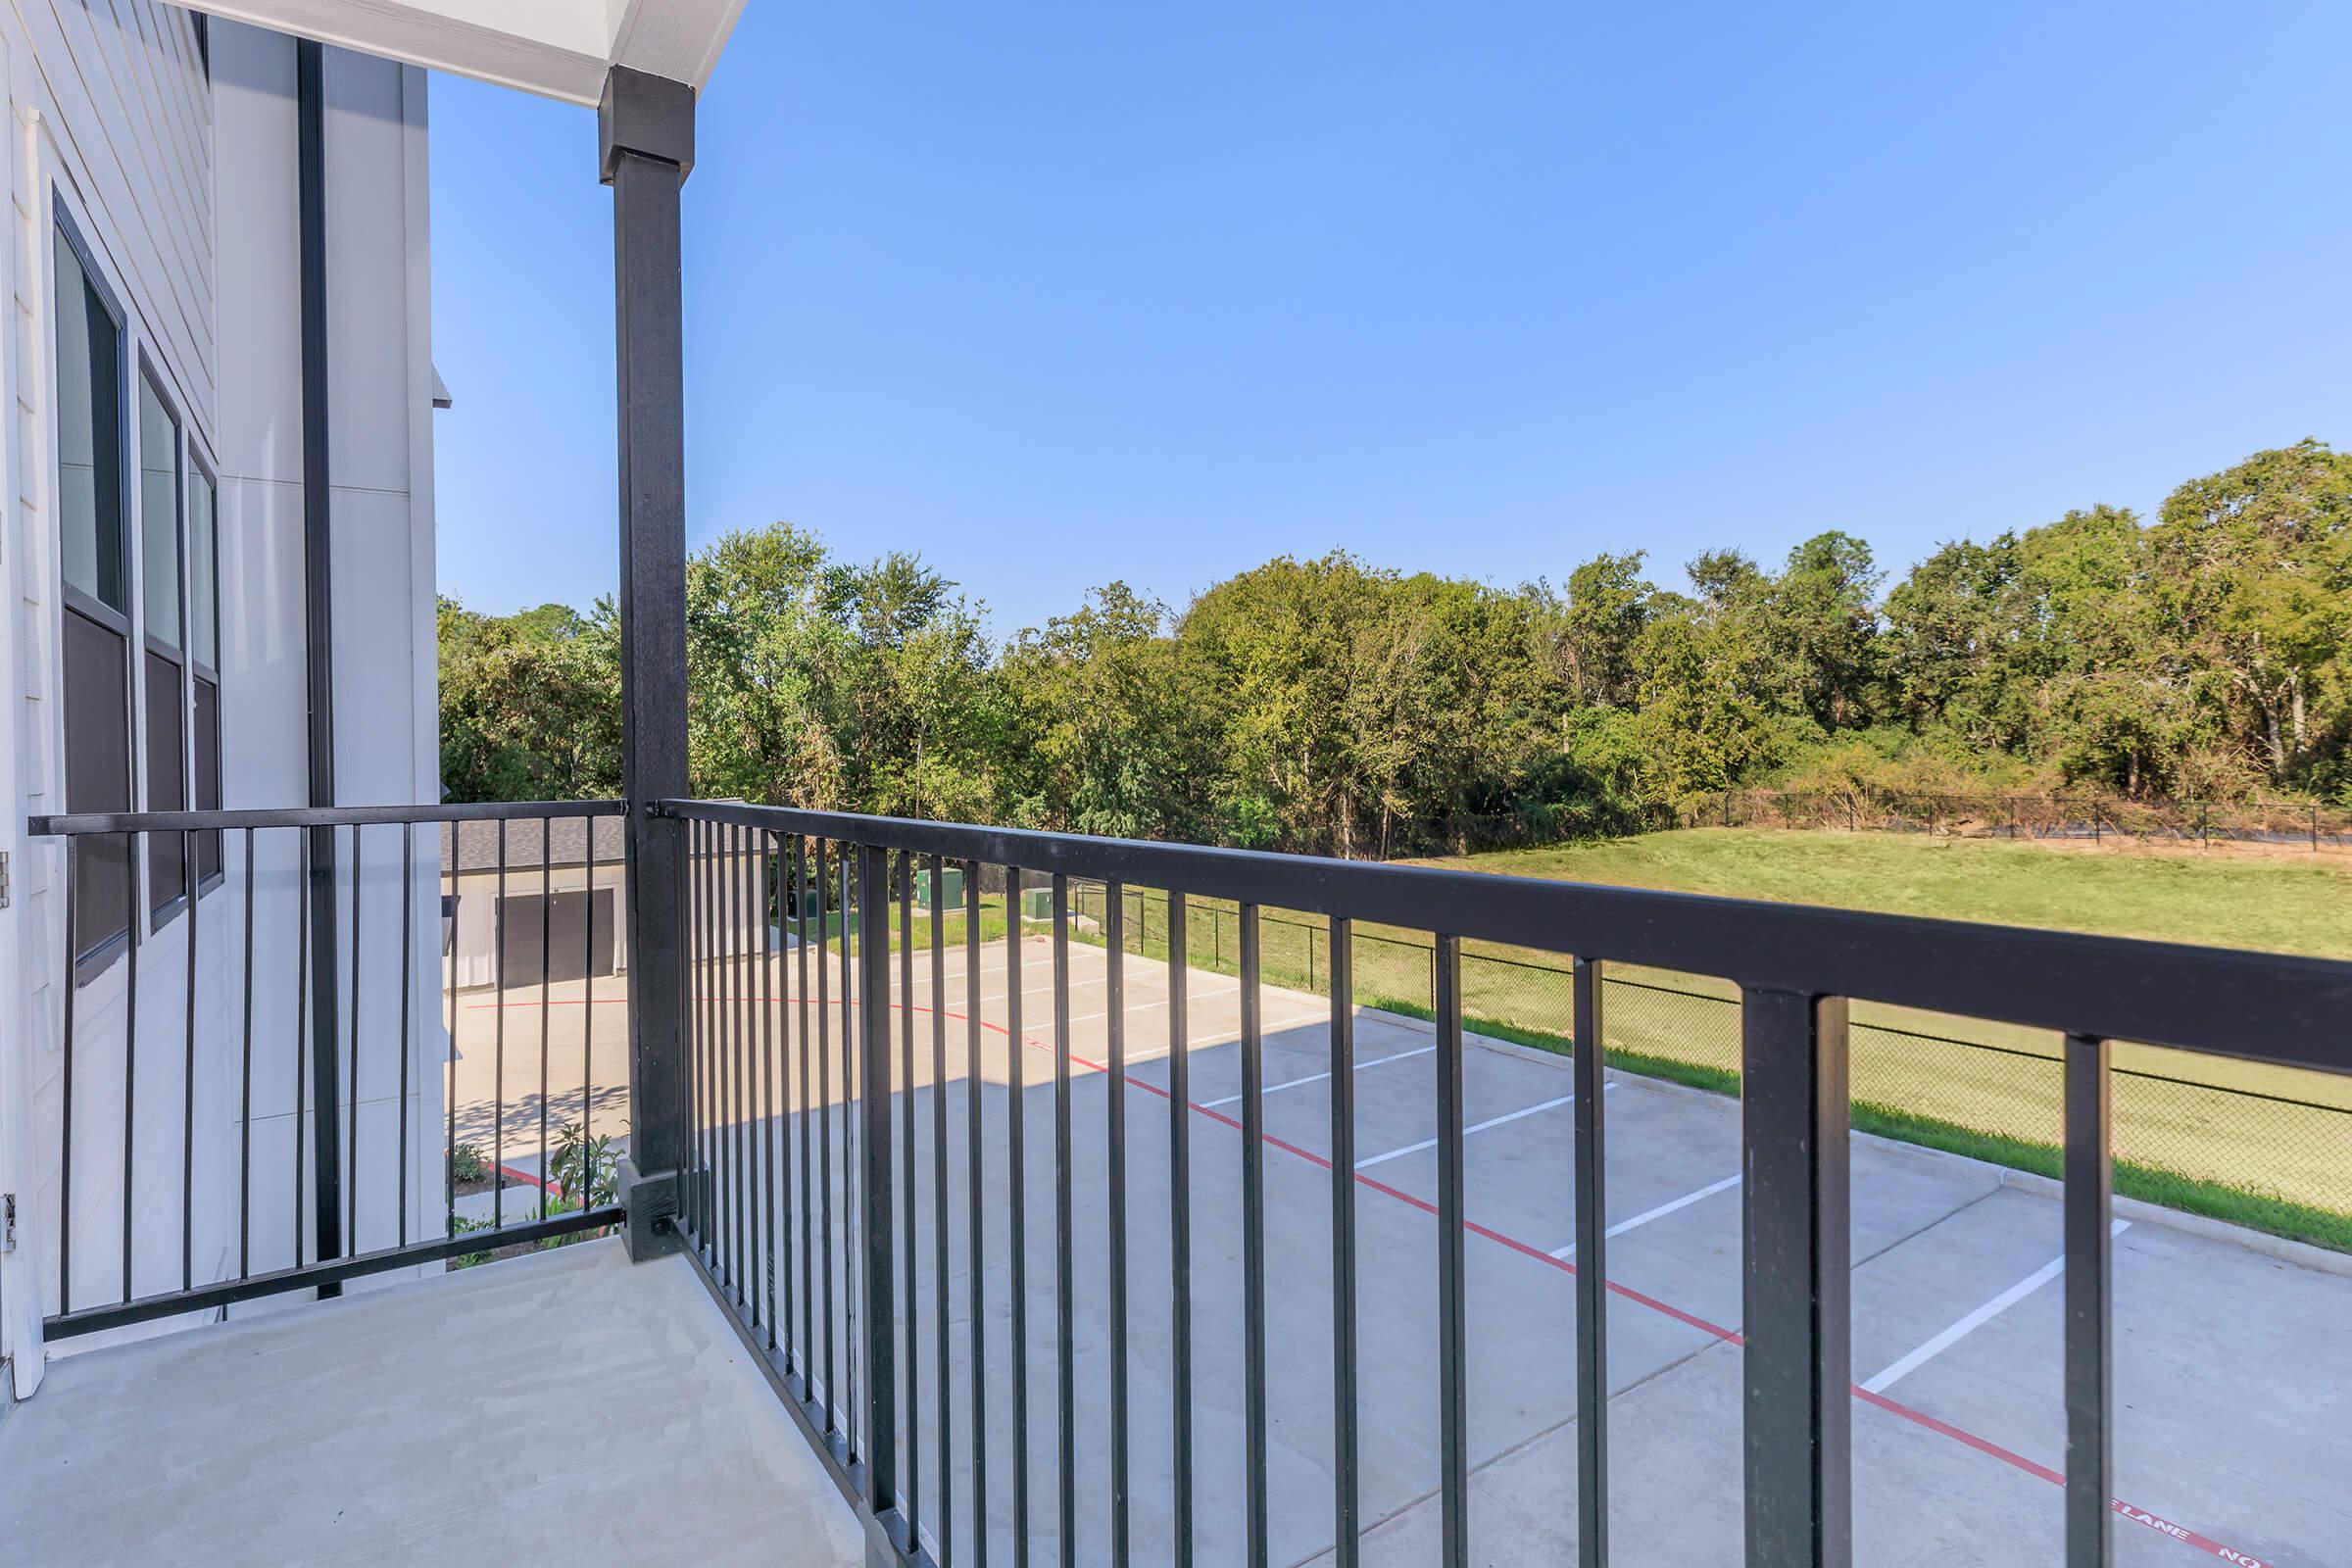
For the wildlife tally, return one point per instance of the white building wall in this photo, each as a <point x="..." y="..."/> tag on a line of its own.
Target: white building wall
<point x="106" y="116"/>
<point x="186" y="191"/>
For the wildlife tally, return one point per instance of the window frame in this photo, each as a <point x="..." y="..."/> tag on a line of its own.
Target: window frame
<point x="197" y="469"/>
<point x="121" y="623"/>
<point x="163" y="910"/>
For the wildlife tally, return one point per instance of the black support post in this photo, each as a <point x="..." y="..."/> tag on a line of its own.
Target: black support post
<point x="645" y="126"/>
<point x="2089" y="1304"/>
<point x="319" y="674"/>
<point x="1799" y="1409"/>
<point x="1591" y="1274"/>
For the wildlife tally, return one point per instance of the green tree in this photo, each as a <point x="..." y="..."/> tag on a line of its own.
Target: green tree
<point x="2254" y="581"/>
<point x="530" y="706"/>
<point x="1107" y="736"/>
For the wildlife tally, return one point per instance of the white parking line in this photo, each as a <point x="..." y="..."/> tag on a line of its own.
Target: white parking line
<point x="1659" y="1212"/>
<point x="1145" y="1007"/>
<point x="1318" y="1077"/>
<point x="1479" y="1127"/>
<point x="1975" y="1320"/>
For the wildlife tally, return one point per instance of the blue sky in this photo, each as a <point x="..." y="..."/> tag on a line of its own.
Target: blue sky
<point x="1058" y="294"/>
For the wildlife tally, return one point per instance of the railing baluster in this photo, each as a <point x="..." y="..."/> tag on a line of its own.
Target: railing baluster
<point x="1345" y="1458"/>
<point x="713" y="1053"/>
<point x="975" y="1250"/>
<point x="824" y="1126"/>
<point x="874" y="1057"/>
<point x="456" y="863"/>
<point x="747" y="1184"/>
<point x="408" y="987"/>
<point x="939" y="1213"/>
<point x="731" y="980"/>
<point x="1453" y="1340"/>
<point x="547" y="965"/>
<point x="351" y="1084"/>
<point x="192" y="880"/>
<point x="809" y="1235"/>
<point x="1114" y="957"/>
<point x="706" y="1057"/>
<point x="853" y="1059"/>
<point x="245" y="1089"/>
<point x="587" y="1192"/>
<point x="690" y="958"/>
<point x="498" y="987"/>
<point x="2090" y="1318"/>
<point x="1065" y="1355"/>
<point x="302" y="1030"/>
<point x="1795" y="1300"/>
<point x="709" y="1058"/>
<point x="1017" y="1214"/>
<point x="912" y="1366"/>
<point x="689" y="1030"/>
<point x="1180" y="1228"/>
<point x="714" y="1048"/>
<point x="1253" y="1245"/>
<point x="130" y="1040"/>
<point x="778" y="1234"/>
<point x="64" y="1172"/>
<point x="1591" y="1272"/>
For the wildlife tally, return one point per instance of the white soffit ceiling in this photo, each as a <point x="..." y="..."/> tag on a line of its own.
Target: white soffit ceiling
<point x="556" y="48"/>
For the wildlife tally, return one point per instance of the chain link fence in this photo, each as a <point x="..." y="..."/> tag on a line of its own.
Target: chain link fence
<point x="2266" y="1159"/>
<point x="2091" y="817"/>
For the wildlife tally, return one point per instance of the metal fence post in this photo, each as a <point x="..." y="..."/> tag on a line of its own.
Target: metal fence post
<point x="1591" y="1274"/>
<point x="645" y="131"/>
<point x="1798" y="1288"/>
<point x="2090" y="1195"/>
<point x="880" y="1415"/>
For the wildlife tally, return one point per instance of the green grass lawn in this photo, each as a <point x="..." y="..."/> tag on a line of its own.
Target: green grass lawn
<point x="2277" y="904"/>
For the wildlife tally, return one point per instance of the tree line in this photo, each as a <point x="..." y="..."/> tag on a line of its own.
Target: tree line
<point x="1330" y="705"/>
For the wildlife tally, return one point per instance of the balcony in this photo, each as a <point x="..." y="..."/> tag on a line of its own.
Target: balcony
<point x="998" y="1196"/>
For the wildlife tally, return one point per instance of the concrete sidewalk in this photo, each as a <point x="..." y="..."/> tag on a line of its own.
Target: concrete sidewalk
<point x="557" y="1408"/>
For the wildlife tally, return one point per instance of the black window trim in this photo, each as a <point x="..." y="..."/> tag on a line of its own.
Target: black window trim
<point x="197" y="465"/>
<point x="181" y="657"/>
<point x="88" y="966"/>
<point x="117" y="622"/>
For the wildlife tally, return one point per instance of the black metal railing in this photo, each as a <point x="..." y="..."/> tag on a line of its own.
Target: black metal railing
<point x="293" y="1056"/>
<point x="810" y="1146"/>
<point x="2267" y="1157"/>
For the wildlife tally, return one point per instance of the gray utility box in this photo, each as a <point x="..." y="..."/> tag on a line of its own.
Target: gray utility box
<point x="946" y="888"/>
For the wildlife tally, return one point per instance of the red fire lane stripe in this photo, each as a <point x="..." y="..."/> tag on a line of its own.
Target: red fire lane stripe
<point x="1917" y="1417"/>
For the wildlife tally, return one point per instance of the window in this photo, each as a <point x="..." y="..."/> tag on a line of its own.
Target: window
<point x="95" y="557"/>
<point x="204" y="657"/>
<point x="165" y="662"/>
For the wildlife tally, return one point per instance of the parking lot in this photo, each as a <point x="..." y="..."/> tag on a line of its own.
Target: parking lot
<point x="2232" y="1364"/>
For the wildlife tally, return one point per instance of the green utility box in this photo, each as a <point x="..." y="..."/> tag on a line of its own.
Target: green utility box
<point x="948" y="890"/>
<point x="1037" y="904"/>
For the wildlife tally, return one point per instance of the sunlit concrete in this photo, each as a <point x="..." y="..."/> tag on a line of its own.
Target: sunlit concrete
<point x="560" y="1407"/>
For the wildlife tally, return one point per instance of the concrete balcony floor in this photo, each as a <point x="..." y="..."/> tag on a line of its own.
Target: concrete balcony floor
<point x="561" y="1407"/>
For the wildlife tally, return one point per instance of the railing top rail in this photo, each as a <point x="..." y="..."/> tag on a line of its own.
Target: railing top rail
<point x="2254" y="1005"/>
<point x="83" y="824"/>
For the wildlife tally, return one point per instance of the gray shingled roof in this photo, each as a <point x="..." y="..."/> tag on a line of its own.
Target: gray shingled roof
<point x="566" y="843"/>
